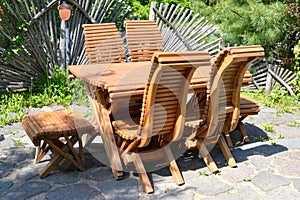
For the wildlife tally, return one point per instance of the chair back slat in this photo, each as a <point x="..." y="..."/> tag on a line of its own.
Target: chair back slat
<point x="143" y="39"/>
<point x="103" y="43"/>
<point x="164" y="103"/>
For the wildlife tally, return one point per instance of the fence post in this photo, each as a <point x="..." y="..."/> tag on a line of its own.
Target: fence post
<point x="269" y="78"/>
<point x="151" y="12"/>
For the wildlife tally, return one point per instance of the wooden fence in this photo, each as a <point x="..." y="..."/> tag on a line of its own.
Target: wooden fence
<point x="30" y="32"/>
<point x="183" y="29"/>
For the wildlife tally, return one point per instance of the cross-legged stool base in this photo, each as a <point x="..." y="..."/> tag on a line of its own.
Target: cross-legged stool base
<point x="57" y="131"/>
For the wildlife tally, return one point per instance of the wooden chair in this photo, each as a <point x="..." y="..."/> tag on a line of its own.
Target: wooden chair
<point x="57" y="131"/>
<point x="143" y="39"/>
<point x="162" y="116"/>
<point x="103" y="43"/>
<point x="222" y="110"/>
<point x="239" y="58"/>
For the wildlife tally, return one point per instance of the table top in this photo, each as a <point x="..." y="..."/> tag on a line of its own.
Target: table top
<point x="130" y="77"/>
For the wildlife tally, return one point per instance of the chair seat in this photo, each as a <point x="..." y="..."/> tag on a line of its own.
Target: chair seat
<point x="248" y="106"/>
<point x="126" y="129"/>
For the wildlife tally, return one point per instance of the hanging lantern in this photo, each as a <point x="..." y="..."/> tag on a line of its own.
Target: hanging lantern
<point x="64" y="11"/>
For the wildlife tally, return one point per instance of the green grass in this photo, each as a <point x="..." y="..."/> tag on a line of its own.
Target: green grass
<point x="269" y="127"/>
<point x="294" y="124"/>
<point x="50" y="90"/>
<point x="279" y="99"/>
<point x="18" y="142"/>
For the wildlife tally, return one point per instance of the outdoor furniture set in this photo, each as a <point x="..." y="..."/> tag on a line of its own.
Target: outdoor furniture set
<point x="140" y="106"/>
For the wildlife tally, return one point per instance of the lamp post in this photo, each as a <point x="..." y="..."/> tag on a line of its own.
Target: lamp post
<point x="64" y="13"/>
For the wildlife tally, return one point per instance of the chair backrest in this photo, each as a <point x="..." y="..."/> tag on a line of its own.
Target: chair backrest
<point x="223" y="94"/>
<point x="143" y="39"/>
<point x="164" y="102"/>
<point x="103" y="43"/>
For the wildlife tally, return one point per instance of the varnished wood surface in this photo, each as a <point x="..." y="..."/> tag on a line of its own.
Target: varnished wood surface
<point x="121" y="79"/>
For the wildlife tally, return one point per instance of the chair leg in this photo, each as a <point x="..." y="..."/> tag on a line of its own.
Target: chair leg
<point x="173" y="166"/>
<point x="226" y="152"/>
<point x="138" y="163"/>
<point x="228" y="140"/>
<point x="242" y="131"/>
<point x="210" y="163"/>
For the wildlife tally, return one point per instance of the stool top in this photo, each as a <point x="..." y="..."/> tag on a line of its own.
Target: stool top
<point x="55" y="124"/>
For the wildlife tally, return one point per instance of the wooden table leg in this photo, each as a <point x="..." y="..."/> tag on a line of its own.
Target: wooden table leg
<point x="107" y="134"/>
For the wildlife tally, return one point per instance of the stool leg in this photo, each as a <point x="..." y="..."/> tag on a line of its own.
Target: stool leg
<point x="72" y="150"/>
<point x="61" y="153"/>
<point x="41" y="151"/>
<point x="37" y="157"/>
<point x="81" y="152"/>
<point x="48" y="168"/>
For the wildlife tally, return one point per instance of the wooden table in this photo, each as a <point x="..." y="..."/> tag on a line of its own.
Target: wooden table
<point x="111" y="84"/>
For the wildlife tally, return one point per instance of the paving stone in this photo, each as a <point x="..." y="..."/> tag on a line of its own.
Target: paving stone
<point x="296" y="183"/>
<point x="169" y="191"/>
<point x="288" y="118"/>
<point x="5" y="185"/>
<point x="208" y="185"/>
<point x="28" y="172"/>
<point x="6" y="143"/>
<point x="35" y="111"/>
<point x="295" y="154"/>
<point x="287" y="167"/>
<point x="286" y="132"/>
<point x="267" y="181"/>
<point x="242" y="191"/>
<point x="282" y="193"/>
<point x="239" y="174"/>
<point x="62" y="178"/>
<point x="13" y="154"/>
<point x="52" y="108"/>
<point x="261" y="162"/>
<point x="102" y="173"/>
<point x="27" y="190"/>
<point x="6" y="168"/>
<point x="289" y="143"/>
<point x="122" y="189"/>
<point x="76" y="191"/>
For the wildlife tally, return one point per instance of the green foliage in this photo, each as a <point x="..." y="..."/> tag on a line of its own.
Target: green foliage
<point x="294" y="124"/>
<point x="141" y="8"/>
<point x="269" y="127"/>
<point x="15" y="44"/>
<point x="50" y="90"/>
<point x="246" y="22"/>
<point x="296" y="83"/>
<point x="278" y="98"/>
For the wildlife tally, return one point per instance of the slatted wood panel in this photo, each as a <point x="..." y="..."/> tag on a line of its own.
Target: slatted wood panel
<point x="182" y="29"/>
<point x="268" y="75"/>
<point x="36" y="26"/>
<point x="143" y="39"/>
<point x="103" y="43"/>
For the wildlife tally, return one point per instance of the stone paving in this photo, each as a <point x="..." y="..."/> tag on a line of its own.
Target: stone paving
<point x="268" y="168"/>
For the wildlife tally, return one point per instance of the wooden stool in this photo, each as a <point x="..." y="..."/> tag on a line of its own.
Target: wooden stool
<point x="59" y="132"/>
